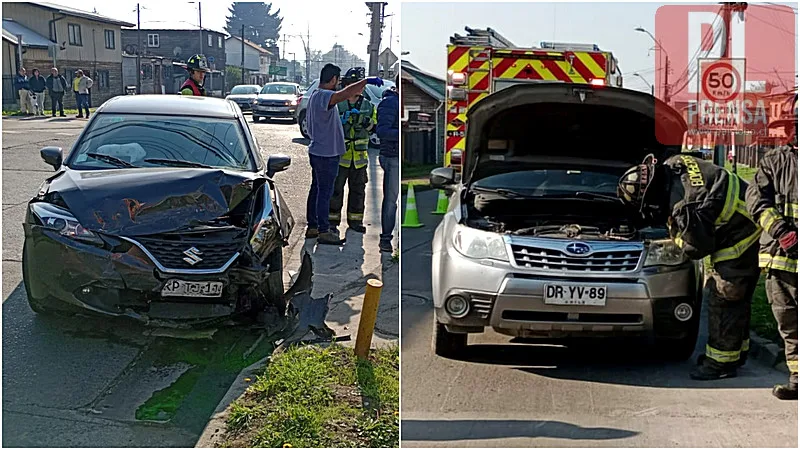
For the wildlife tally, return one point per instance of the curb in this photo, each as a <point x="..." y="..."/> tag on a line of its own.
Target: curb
<point x="768" y="353"/>
<point x="216" y="424"/>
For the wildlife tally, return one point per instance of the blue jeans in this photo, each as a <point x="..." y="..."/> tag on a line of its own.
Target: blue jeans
<point x="391" y="189"/>
<point x="83" y="102"/>
<point x="323" y="176"/>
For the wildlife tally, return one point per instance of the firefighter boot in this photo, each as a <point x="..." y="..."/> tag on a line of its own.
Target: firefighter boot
<point x="357" y="227"/>
<point x="312" y="233"/>
<point x="741" y="362"/>
<point x="330" y="238"/>
<point x="708" y="372"/>
<point x="785" y="391"/>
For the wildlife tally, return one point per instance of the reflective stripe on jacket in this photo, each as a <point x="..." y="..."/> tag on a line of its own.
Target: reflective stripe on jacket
<point x="772" y="200"/>
<point x="357" y="129"/>
<point x="708" y="213"/>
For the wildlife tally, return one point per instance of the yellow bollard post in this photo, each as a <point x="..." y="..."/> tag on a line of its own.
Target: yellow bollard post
<point x="369" y="312"/>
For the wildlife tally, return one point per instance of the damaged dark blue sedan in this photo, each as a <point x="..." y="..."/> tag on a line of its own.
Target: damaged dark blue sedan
<point x="164" y="209"/>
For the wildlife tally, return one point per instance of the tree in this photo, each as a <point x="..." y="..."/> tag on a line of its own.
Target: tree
<point x="261" y="25"/>
<point x="233" y="76"/>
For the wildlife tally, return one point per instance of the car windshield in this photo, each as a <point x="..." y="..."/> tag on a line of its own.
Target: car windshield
<point x="283" y="89"/>
<point x="376" y="92"/>
<point x="552" y="182"/>
<point x="135" y="140"/>
<point x="244" y="90"/>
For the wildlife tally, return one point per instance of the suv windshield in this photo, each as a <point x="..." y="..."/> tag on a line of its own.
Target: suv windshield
<point x="133" y="140"/>
<point x="244" y="90"/>
<point x="283" y="89"/>
<point x="552" y="182"/>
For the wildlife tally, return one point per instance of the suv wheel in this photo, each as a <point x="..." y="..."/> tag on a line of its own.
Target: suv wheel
<point x="447" y="344"/>
<point x="303" y="125"/>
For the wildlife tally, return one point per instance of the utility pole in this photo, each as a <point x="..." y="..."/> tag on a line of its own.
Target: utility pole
<point x="308" y="54"/>
<point x="375" y="27"/>
<point x="666" y="77"/>
<point x="284" y="46"/>
<point x="138" y="50"/>
<point x="242" y="53"/>
<point x="200" y="24"/>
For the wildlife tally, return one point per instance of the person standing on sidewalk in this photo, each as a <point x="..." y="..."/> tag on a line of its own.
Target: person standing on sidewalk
<point x="358" y="120"/>
<point x="38" y="85"/>
<point x="57" y="86"/>
<point x="326" y="148"/>
<point x="84" y="84"/>
<point x="22" y="86"/>
<point x="389" y="134"/>
<point x="772" y="200"/>
<point x="75" y="82"/>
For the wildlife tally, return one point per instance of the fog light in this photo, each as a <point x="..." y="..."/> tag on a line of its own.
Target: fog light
<point x="683" y="312"/>
<point x="86" y="291"/>
<point x="457" y="306"/>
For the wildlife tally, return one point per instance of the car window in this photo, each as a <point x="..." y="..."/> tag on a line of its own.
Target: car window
<point x="244" y="90"/>
<point x="552" y="182"/>
<point x="282" y="89"/>
<point x="135" y="138"/>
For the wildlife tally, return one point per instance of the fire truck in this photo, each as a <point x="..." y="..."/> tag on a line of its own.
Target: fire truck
<point x="484" y="62"/>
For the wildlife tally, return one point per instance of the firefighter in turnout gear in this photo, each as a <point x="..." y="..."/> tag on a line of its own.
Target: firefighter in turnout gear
<point x="358" y="120"/>
<point x="197" y="66"/>
<point x="704" y="208"/>
<point x="772" y="200"/>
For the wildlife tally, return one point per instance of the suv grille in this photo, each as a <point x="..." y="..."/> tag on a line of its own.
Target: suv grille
<point x="213" y="253"/>
<point x="556" y="260"/>
<point x="274" y="102"/>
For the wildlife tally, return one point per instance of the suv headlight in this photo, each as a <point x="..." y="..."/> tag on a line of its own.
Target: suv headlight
<point x="479" y="244"/>
<point x="59" y="219"/>
<point x="664" y="252"/>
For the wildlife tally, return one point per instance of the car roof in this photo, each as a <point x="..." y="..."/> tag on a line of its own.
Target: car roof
<point x="281" y="82"/>
<point x="182" y="105"/>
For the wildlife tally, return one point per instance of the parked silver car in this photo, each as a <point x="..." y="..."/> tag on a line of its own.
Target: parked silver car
<point x="276" y="101"/>
<point x="373" y="94"/>
<point x="243" y="95"/>
<point x="536" y="243"/>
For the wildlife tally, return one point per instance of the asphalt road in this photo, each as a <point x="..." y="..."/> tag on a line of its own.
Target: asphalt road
<point x="520" y="395"/>
<point x="83" y="382"/>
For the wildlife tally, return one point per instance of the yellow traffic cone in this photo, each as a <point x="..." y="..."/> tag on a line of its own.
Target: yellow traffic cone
<point x="411" y="220"/>
<point x="441" y="203"/>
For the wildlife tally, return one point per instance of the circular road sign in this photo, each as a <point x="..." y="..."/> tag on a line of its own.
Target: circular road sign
<point x="211" y="59"/>
<point x="721" y="82"/>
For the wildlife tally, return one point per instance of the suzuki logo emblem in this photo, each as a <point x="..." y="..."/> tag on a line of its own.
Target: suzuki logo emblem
<point x="192" y="256"/>
<point x="578" y="248"/>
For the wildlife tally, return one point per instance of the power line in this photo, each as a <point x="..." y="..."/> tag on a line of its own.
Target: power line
<point x="673" y="90"/>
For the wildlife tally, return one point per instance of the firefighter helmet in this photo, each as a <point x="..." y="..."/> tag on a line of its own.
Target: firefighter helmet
<point x="353" y="75"/>
<point x="635" y="181"/>
<point x="198" y="63"/>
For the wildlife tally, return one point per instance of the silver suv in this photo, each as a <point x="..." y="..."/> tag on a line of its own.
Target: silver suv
<point x="536" y="243"/>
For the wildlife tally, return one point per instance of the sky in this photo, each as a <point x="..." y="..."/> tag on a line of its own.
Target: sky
<point x="328" y="22"/>
<point x="427" y="28"/>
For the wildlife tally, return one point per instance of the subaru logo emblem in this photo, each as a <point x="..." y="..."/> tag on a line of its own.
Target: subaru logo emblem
<point x="578" y="248"/>
<point x="192" y="256"/>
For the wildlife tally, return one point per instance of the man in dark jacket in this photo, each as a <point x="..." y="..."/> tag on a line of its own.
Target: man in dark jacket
<point x="388" y="131"/>
<point x="703" y="206"/>
<point x="23" y="88"/>
<point x="772" y="200"/>
<point x="56" y="86"/>
<point x="38" y="85"/>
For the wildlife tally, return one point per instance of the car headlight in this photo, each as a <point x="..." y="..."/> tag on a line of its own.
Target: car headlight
<point x="293" y="103"/>
<point x="254" y="101"/>
<point x="266" y="226"/>
<point x="664" y="252"/>
<point x="479" y="244"/>
<point x="59" y="219"/>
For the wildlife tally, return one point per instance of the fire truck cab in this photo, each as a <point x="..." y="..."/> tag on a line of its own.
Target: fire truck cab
<point x="484" y="62"/>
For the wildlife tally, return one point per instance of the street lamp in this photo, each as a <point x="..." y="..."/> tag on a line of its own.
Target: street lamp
<point x="652" y="88"/>
<point x="666" y="61"/>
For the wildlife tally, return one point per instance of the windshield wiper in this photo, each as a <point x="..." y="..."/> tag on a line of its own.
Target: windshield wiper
<point x="504" y="192"/>
<point x="594" y="195"/>
<point x="176" y="163"/>
<point x="110" y="159"/>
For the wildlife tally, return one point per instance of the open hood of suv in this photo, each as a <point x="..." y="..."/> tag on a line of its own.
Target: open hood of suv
<point x="531" y="123"/>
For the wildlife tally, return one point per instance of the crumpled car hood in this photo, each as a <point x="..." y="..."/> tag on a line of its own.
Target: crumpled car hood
<point x="135" y="202"/>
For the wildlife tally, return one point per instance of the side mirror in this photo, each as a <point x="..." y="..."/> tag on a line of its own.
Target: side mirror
<point x="53" y="156"/>
<point x="277" y="163"/>
<point x="227" y="94"/>
<point x="443" y="177"/>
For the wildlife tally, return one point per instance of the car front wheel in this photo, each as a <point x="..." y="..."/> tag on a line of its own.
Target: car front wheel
<point x="304" y="125"/>
<point x="447" y="344"/>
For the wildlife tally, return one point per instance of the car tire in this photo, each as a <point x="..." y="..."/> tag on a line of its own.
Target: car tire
<point x="275" y="288"/>
<point x="679" y="349"/>
<point x="447" y="344"/>
<point x="256" y="119"/>
<point x="303" y="125"/>
<point x="46" y="306"/>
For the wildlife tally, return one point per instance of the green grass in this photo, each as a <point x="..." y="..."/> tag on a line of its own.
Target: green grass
<point x="320" y="397"/>
<point x="68" y="112"/>
<point x="746" y="173"/>
<point x="762" y="321"/>
<point x="412" y="171"/>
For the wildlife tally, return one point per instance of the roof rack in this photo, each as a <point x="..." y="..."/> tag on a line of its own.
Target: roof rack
<point x="481" y="37"/>
<point x="562" y="46"/>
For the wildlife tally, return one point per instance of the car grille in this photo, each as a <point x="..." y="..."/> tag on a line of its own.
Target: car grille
<point x="214" y="254"/>
<point x="273" y="103"/>
<point x="555" y="260"/>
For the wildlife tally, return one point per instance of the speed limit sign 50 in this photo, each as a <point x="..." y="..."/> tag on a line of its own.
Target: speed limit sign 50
<point x="721" y="80"/>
